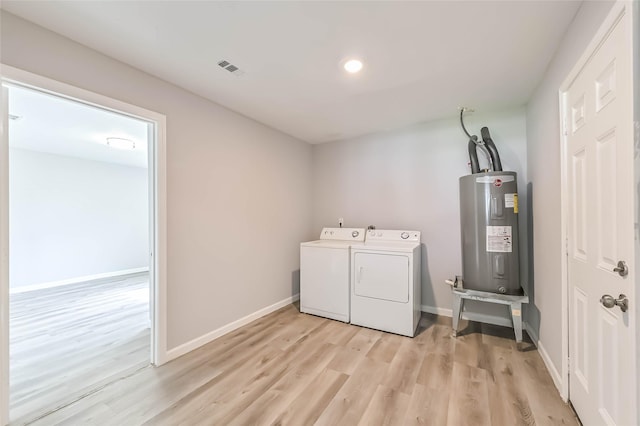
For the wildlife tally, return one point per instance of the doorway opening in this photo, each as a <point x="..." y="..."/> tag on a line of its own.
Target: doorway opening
<point x="84" y="279"/>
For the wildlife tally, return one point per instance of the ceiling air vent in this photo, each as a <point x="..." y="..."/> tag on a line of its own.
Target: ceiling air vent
<point x="231" y="68"/>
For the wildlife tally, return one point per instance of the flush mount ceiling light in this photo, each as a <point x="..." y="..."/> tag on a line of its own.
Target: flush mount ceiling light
<point x="121" y="143"/>
<point x="353" y="66"/>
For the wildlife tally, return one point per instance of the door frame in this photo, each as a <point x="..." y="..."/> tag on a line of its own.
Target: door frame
<point x="621" y="10"/>
<point x="11" y="76"/>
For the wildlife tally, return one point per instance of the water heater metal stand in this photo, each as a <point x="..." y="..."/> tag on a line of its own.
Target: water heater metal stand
<point x="514" y="302"/>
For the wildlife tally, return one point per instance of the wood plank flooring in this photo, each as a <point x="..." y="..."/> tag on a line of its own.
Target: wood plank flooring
<point x="289" y="368"/>
<point x="67" y="340"/>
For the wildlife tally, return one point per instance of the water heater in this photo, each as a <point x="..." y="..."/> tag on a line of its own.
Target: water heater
<point x="489" y="229"/>
<point x="489" y="222"/>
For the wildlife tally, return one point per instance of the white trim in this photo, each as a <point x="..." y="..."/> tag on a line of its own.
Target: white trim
<point x="471" y="316"/>
<point x="158" y="234"/>
<point x="76" y="280"/>
<point x="564" y="266"/>
<point x="437" y="311"/>
<point x="11" y="75"/>
<point x="618" y="11"/>
<point x="219" y="332"/>
<point x="551" y="368"/>
<point x="158" y="216"/>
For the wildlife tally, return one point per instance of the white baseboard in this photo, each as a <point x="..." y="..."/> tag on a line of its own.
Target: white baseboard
<point x="471" y="316"/>
<point x="437" y="311"/>
<point x="76" y="280"/>
<point x="212" y="335"/>
<point x="551" y="368"/>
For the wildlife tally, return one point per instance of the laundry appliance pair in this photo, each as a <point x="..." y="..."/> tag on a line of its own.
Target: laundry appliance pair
<point x="369" y="278"/>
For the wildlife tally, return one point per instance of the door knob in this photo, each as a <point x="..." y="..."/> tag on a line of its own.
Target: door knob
<point x="610" y="302"/>
<point x="622" y="269"/>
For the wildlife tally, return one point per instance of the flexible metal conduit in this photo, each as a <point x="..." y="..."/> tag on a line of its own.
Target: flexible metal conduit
<point x="493" y="151"/>
<point x="473" y="154"/>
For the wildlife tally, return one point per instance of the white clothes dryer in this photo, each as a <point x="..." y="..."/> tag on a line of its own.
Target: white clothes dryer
<point x="325" y="273"/>
<point x="386" y="283"/>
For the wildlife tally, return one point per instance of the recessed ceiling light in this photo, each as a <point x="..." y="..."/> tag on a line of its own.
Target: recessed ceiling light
<point x="121" y="143"/>
<point x="353" y="66"/>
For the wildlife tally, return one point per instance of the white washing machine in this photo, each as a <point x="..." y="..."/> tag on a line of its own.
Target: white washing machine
<point x="385" y="281"/>
<point x="325" y="274"/>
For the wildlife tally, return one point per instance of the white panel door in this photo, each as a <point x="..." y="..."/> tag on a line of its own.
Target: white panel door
<point x="599" y="165"/>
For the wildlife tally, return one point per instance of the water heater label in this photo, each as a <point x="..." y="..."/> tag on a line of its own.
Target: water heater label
<point x="499" y="239"/>
<point x="509" y="200"/>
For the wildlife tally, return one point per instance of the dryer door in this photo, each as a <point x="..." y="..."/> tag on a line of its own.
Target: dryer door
<point x="382" y="276"/>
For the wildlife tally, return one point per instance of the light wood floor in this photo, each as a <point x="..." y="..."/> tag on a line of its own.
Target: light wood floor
<point x="294" y="369"/>
<point x="67" y="340"/>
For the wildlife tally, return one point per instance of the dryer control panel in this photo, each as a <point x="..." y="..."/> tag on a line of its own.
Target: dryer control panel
<point x="393" y="235"/>
<point x="343" y="234"/>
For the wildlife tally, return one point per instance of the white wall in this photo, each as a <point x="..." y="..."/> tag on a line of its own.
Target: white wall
<point x="239" y="193"/>
<point x="72" y="217"/>
<point x="543" y="163"/>
<point x="409" y="179"/>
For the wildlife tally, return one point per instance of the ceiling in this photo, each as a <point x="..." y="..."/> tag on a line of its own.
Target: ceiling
<point x="59" y="126"/>
<point x="422" y="60"/>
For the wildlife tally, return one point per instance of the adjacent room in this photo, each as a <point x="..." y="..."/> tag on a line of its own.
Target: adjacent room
<point x="320" y="213"/>
<point x="79" y="268"/>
